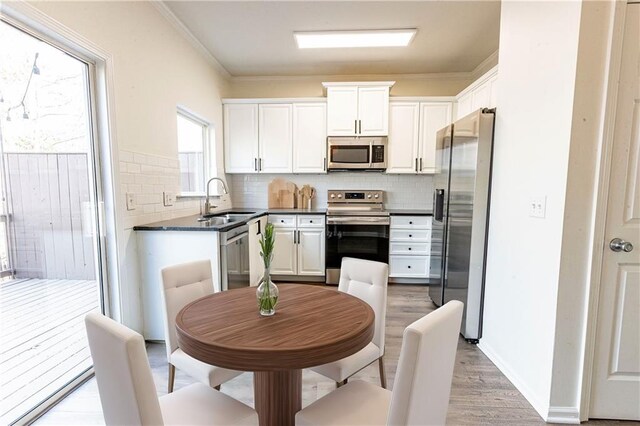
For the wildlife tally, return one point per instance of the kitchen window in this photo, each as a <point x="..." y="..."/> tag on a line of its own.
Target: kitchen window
<point x="194" y="153"/>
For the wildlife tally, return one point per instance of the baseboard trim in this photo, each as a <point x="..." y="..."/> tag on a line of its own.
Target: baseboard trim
<point x="538" y="405"/>
<point x="565" y="415"/>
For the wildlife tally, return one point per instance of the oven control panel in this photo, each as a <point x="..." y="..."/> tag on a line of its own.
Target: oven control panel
<point x="364" y="196"/>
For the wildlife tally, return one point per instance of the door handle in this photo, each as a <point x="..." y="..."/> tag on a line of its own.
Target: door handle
<point x="618" y="245"/>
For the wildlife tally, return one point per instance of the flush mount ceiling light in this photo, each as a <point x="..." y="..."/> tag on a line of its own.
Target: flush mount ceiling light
<point x="364" y="38"/>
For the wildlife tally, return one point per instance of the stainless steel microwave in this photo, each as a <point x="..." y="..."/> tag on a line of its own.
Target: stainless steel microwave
<point x="357" y="153"/>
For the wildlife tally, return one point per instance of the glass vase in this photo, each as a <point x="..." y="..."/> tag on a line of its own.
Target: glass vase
<point x="267" y="294"/>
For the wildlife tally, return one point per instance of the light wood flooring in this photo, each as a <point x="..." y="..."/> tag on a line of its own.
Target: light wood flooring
<point x="480" y="395"/>
<point x="43" y="343"/>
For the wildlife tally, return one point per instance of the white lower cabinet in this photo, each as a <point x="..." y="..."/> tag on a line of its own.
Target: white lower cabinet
<point x="284" y="252"/>
<point x="299" y="245"/>
<point x="410" y="247"/>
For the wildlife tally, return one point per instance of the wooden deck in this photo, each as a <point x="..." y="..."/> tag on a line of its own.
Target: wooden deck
<point x="43" y="343"/>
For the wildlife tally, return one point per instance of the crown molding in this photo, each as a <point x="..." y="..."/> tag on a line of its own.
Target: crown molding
<point x="350" y="77"/>
<point x="188" y="35"/>
<point x="484" y="66"/>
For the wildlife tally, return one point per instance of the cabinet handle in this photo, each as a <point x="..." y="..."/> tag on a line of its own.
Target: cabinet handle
<point x="259" y="164"/>
<point x="420" y="164"/>
<point x="416" y="165"/>
<point x="310" y="221"/>
<point x="409" y="266"/>
<point x="410" y="235"/>
<point x="325" y="164"/>
<point x="255" y="164"/>
<point x="360" y="127"/>
<point x="410" y="222"/>
<point x="298" y="237"/>
<point x="409" y="248"/>
<point x="355" y="126"/>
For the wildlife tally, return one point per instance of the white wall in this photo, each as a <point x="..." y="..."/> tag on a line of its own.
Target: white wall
<point x="538" y="51"/>
<point x="401" y="191"/>
<point x="155" y="70"/>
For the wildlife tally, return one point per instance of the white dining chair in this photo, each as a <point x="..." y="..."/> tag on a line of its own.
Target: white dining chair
<point x="127" y="391"/>
<point x="366" y="280"/>
<point x="421" y="388"/>
<point x="182" y="284"/>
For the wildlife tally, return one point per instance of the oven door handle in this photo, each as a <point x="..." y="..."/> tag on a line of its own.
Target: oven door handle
<point x="360" y="220"/>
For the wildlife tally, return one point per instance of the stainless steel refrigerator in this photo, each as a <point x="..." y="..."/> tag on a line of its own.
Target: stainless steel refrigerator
<point x="462" y="187"/>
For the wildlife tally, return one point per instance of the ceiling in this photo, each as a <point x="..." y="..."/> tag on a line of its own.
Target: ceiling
<point x="255" y="38"/>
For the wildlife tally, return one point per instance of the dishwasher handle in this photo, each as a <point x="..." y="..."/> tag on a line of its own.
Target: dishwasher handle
<point x="236" y="238"/>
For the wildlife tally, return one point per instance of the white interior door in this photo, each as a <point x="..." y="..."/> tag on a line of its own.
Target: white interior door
<point x="615" y="389"/>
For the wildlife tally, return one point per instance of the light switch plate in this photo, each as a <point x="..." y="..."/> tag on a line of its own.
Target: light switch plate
<point x="131" y="201"/>
<point x="538" y="207"/>
<point x="168" y="198"/>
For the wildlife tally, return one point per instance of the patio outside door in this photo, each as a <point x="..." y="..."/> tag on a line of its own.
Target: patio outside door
<point x="50" y="249"/>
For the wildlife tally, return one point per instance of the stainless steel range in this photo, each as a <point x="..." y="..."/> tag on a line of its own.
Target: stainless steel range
<point x="357" y="226"/>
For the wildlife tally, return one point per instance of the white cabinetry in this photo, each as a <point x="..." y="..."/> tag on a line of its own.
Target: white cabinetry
<point x="480" y="94"/>
<point x="412" y="134"/>
<point x="299" y="245"/>
<point x="433" y="117"/>
<point x="241" y="138"/>
<point x="275" y="135"/>
<point x="275" y="138"/>
<point x="410" y="247"/>
<point x="404" y="125"/>
<point x="358" y="109"/>
<point x="309" y="138"/>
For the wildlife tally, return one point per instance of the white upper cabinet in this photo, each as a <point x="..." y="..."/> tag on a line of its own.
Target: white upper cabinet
<point x="358" y="109"/>
<point x="412" y="134"/>
<point x="342" y="111"/>
<point x="404" y="124"/>
<point x="275" y="138"/>
<point x="433" y="117"/>
<point x="480" y="94"/>
<point x="373" y="111"/>
<point x="241" y="138"/>
<point x="309" y="138"/>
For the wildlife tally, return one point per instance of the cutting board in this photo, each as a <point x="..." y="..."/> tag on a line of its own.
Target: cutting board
<point x="282" y="194"/>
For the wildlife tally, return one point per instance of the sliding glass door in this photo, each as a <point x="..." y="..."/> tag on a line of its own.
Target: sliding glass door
<point x="50" y="253"/>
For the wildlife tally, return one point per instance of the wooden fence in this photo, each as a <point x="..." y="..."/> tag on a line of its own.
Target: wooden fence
<point x="51" y="222"/>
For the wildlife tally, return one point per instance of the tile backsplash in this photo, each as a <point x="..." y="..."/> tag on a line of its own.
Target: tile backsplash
<point x="147" y="177"/>
<point x="401" y="191"/>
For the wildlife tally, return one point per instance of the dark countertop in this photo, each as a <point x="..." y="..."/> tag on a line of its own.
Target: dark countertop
<point x="410" y="212"/>
<point x="296" y="211"/>
<point x="190" y="223"/>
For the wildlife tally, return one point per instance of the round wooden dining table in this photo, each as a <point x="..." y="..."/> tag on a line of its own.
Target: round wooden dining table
<point x="313" y="325"/>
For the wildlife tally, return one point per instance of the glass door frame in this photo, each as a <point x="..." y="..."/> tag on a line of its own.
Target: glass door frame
<point x="37" y="25"/>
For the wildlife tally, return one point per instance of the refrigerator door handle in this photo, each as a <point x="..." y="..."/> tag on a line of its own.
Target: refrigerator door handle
<point x="438" y="205"/>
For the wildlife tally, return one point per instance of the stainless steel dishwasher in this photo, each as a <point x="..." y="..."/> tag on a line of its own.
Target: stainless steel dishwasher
<point x="234" y="258"/>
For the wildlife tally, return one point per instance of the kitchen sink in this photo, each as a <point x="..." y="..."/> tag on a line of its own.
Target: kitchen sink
<point x="224" y="218"/>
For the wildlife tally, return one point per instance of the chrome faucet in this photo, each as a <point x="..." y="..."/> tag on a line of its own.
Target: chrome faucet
<point x="207" y="203"/>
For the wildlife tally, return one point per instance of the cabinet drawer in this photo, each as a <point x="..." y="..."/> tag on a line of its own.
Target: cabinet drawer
<point x="404" y="235"/>
<point x="410" y="249"/>
<point x="283" y="221"/>
<point x="307" y="221"/>
<point x="409" y="266"/>
<point x="412" y="222"/>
